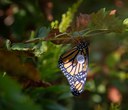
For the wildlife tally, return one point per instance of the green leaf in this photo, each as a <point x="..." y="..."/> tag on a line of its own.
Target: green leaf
<point x="65" y="95"/>
<point x="125" y="22"/>
<point x="39" y="48"/>
<point x="22" y="46"/>
<point x="55" y="106"/>
<point x="14" y="99"/>
<point x="90" y="85"/>
<point x="113" y="59"/>
<point x="8" y="44"/>
<point x="43" y="32"/>
<point x="103" y="20"/>
<point x="54" y="24"/>
<point x="115" y="106"/>
<point x="68" y="16"/>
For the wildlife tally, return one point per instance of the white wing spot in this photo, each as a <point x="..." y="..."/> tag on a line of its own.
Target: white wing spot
<point x="80" y="59"/>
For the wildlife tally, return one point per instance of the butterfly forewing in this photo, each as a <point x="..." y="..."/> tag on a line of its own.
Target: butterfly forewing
<point x="74" y="65"/>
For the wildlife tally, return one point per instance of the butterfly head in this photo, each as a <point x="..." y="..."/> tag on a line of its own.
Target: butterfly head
<point x="82" y="45"/>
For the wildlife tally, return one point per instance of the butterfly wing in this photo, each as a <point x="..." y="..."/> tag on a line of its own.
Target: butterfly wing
<point x="74" y="69"/>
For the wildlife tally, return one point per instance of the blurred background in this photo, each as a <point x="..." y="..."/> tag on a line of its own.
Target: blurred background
<point x="28" y="82"/>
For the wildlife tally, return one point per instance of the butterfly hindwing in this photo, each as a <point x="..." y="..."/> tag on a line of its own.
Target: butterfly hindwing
<point x="74" y="65"/>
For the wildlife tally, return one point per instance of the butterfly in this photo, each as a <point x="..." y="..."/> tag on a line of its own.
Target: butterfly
<point x="74" y="65"/>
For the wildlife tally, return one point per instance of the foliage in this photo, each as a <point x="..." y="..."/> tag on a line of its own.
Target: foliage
<point x="12" y="98"/>
<point x="29" y="53"/>
<point x="67" y="18"/>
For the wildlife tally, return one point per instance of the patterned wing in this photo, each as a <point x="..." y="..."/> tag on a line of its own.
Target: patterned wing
<point x="74" y="65"/>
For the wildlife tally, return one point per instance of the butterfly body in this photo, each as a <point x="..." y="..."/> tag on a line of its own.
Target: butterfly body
<point x="74" y="65"/>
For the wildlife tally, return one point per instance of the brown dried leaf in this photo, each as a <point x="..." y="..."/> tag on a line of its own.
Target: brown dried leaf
<point x="58" y="38"/>
<point x="81" y="22"/>
<point x="12" y="64"/>
<point x="52" y="34"/>
<point x="27" y="83"/>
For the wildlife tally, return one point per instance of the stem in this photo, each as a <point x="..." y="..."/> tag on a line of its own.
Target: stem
<point x="57" y="37"/>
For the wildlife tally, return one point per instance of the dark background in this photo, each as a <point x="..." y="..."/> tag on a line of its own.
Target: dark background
<point x="36" y="83"/>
